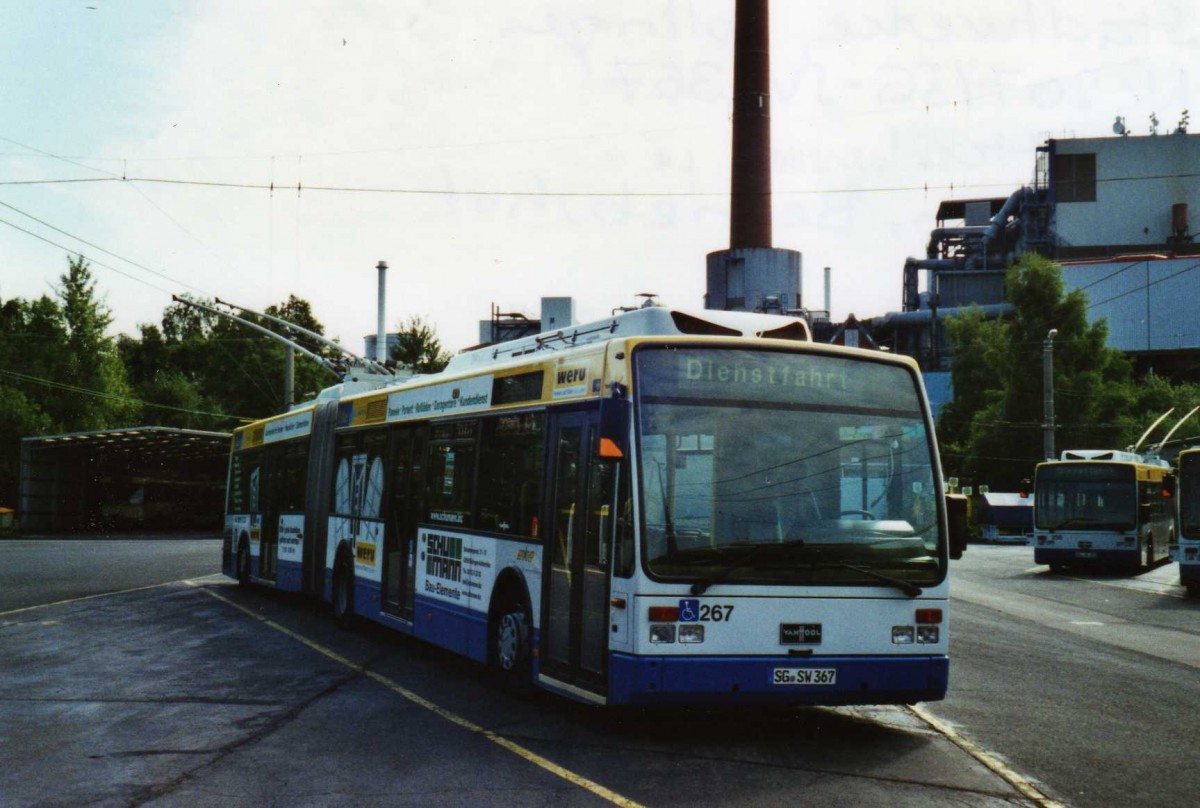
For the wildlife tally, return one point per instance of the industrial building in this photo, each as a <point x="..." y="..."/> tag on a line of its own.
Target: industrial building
<point x="1113" y="211"/>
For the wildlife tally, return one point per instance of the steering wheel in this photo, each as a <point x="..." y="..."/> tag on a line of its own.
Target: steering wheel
<point x="859" y="512"/>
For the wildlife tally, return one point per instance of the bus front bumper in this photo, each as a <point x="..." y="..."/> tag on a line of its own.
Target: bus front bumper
<point x="777" y="680"/>
<point x="1071" y="555"/>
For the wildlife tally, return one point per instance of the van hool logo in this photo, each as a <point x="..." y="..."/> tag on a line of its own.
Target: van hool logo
<point x="443" y="556"/>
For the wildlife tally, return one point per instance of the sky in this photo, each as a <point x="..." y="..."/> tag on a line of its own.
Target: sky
<point x="494" y="153"/>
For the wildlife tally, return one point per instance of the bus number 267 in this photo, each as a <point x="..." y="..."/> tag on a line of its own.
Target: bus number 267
<point x="715" y="612"/>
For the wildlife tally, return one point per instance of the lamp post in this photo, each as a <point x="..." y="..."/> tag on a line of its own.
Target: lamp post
<point x="1048" y="394"/>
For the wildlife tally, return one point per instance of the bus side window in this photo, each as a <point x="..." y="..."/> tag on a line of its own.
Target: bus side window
<point x="510" y="473"/>
<point x="450" y="475"/>
<point x="294" y="471"/>
<point x="237" y="498"/>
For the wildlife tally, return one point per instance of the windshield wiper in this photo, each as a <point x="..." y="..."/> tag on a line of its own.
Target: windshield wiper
<point x="908" y="588"/>
<point x="701" y="586"/>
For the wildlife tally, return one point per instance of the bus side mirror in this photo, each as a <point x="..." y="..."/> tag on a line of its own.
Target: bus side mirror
<point x="956" y="516"/>
<point x="614" y="427"/>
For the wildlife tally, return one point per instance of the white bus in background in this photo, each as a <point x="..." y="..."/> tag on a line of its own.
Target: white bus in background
<point x="1103" y="507"/>
<point x="1187" y="550"/>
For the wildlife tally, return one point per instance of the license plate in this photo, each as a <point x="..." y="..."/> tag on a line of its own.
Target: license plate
<point x="1084" y="554"/>
<point x="804" y="676"/>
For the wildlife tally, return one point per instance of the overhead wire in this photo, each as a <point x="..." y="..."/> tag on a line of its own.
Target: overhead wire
<point x="82" y="240"/>
<point x="300" y="187"/>
<point x="113" y="397"/>
<point x="89" y="258"/>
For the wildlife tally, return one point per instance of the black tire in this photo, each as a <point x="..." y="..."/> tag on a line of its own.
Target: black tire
<point x="343" y="591"/>
<point x="511" y="645"/>
<point x="242" y="567"/>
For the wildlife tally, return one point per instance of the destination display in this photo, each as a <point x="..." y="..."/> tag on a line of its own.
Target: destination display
<point x="775" y="377"/>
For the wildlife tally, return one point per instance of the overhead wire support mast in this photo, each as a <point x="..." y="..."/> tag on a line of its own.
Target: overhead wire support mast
<point x="325" y="362"/>
<point x="370" y="364"/>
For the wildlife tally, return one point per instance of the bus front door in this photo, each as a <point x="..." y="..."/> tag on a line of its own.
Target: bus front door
<point x="574" y="632"/>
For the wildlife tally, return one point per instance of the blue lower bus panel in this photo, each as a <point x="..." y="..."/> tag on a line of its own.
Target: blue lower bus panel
<point x="776" y="680"/>
<point x="289" y="576"/>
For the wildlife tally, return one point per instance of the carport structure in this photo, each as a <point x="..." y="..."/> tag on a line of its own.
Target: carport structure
<point x="151" y="476"/>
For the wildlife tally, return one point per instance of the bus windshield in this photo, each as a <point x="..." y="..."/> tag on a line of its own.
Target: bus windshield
<point x="1086" y="496"/>
<point x="1189" y="496"/>
<point x="782" y="468"/>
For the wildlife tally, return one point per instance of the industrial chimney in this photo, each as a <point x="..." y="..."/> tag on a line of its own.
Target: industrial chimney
<point x="750" y="194"/>
<point x="751" y="275"/>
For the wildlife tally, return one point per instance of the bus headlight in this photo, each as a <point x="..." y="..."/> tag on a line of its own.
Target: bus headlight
<point x="662" y="632"/>
<point x="691" y="633"/>
<point x="927" y="634"/>
<point x="902" y="635"/>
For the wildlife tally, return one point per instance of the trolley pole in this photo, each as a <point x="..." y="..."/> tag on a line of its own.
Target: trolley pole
<point x="1048" y="394"/>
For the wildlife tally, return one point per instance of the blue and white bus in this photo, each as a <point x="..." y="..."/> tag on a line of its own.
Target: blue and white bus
<point x="1187" y="550"/>
<point x="1103" y="507"/>
<point x="659" y="508"/>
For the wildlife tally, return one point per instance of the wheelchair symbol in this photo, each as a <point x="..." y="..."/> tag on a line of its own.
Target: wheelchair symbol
<point x="689" y="611"/>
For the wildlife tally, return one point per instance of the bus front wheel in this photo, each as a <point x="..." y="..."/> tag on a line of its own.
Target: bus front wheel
<point x="511" y="643"/>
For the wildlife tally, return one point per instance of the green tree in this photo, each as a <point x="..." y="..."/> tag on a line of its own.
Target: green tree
<point x="91" y="359"/>
<point x="993" y="431"/>
<point x="59" y="370"/>
<point x="419" y="348"/>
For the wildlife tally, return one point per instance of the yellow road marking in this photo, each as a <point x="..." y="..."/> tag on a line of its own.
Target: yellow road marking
<point x="87" y="597"/>
<point x="1017" y="781"/>
<point x="421" y="701"/>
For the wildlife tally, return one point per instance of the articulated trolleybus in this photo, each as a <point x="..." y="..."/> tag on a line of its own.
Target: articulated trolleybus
<point x="656" y="508"/>
<point x="1187" y="551"/>
<point x="1103" y="507"/>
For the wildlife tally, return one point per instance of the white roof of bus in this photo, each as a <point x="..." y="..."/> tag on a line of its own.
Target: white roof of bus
<point x="651" y="321"/>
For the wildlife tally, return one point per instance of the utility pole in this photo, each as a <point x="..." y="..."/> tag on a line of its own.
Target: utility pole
<point x="1048" y="394"/>
<point x="289" y="377"/>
